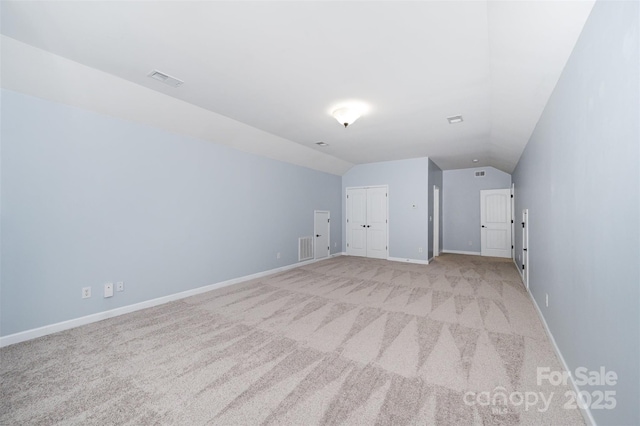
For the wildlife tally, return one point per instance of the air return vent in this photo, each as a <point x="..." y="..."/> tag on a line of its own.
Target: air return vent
<point x="480" y="173"/>
<point x="305" y="248"/>
<point x="166" y="79"/>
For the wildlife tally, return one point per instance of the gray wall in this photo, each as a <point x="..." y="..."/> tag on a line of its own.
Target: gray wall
<point x="461" y="209"/>
<point x="435" y="178"/>
<point x="579" y="178"/>
<point x="407" y="180"/>
<point x="88" y="199"/>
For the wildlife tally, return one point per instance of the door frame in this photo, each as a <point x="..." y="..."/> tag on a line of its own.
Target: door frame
<point x="513" y="220"/>
<point x="346" y="213"/>
<point x="525" y="248"/>
<point x="436" y="221"/>
<point x="315" y="212"/>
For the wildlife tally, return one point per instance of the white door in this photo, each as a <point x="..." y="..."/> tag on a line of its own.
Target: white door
<point x="513" y="217"/>
<point x="357" y="222"/>
<point x="525" y="247"/>
<point x="436" y="221"/>
<point x="321" y="232"/>
<point x="495" y="221"/>
<point x="367" y="222"/>
<point x="377" y="223"/>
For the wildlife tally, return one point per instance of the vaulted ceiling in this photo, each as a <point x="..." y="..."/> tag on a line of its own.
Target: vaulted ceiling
<point x="281" y="67"/>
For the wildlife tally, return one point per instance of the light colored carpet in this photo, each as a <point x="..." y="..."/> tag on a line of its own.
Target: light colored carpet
<point x="343" y="341"/>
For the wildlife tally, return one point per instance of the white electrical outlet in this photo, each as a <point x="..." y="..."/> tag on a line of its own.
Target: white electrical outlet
<point x="470" y="243"/>
<point x="546" y="299"/>
<point x="120" y="286"/>
<point x="108" y="290"/>
<point x="86" y="292"/>
<point x="278" y="255"/>
<point x="419" y="249"/>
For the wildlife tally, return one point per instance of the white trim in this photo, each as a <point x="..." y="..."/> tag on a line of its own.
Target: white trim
<point x="436" y="221"/>
<point x="525" y="247"/>
<point x="513" y="221"/>
<point x="405" y="260"/>
<point x="471" y="253"/>
<point x="88" y="319"/>
<point x="519" y="269"/>
<point x="342" y="253"/>
<point x="586" y="412"/>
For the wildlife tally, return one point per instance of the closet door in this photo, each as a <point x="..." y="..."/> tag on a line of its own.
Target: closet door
<point x="367" y="222"/>
<point x="357" y="222"/>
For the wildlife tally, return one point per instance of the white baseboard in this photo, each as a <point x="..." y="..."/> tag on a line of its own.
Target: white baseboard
<point x="471" y="253"/>
<point x="401" y="259"/>
<point x="77" y="322"/>
<point x="586" y="412"/>
<point x="342" y="253"/>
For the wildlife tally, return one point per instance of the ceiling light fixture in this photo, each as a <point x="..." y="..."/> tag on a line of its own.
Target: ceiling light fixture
<point x="475" y="160"/>
<point x="455" y="119"/>
<point x="322" y="143"/>
<point x="346" y="115"/>
<point x="348" y="111"/>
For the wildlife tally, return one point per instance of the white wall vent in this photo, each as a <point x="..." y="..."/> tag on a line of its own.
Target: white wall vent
<point x="480" y="173"/>
<point x="166" y="79"/>
<point x="305" y="248"/>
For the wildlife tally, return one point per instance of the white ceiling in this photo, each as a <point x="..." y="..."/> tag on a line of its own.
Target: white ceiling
<point x="280" y="67"/>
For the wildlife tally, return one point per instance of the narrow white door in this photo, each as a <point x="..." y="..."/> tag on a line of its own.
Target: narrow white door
<point x="357" y="222"/>
<point x="495" y="221"/>
<point x="436" y="221"/>
<point x="321" y="234"/>
<point x="513" y="217"/>
<point x="525" y="247"/>
<point x="377" y="223"/>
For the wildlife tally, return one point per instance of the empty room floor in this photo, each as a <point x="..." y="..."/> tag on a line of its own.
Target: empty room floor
<point x="343" y="341"/>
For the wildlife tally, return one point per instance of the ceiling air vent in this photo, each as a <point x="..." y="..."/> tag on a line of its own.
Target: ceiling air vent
<point x="480" y="173"/>
<point x="166" y="79"/>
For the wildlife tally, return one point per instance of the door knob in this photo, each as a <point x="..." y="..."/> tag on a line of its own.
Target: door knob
<point x="318" y="235"/>
<point x="364" y="226"/>
<point x="483" y="226"/>
<point x="368" y="226"/>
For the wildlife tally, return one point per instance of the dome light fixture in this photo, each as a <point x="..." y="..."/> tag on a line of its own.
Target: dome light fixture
<point x="347" y="112"/>
<point x="346" y="115"/>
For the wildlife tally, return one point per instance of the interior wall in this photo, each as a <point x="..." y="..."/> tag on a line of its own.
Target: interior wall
<point x="89" y="199"/>
<point x="461" y="205"/>
<point x="579" y="177"/>
<point x="407" y="180"/>
<point x="434" y="178"/>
